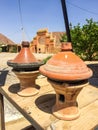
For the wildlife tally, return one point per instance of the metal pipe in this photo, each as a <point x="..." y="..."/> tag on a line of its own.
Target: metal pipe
<point x="63" y="3"/>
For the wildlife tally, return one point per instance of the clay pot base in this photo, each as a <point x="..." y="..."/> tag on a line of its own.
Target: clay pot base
<point x="27" y="92"/>
<point x="68" y="113"/>
<point x="27" y="83"/>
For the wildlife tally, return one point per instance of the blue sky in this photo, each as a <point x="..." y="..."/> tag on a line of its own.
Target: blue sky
<point x="39" y="14"/>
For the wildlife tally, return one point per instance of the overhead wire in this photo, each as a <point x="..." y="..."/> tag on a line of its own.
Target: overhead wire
<point x="20" y="13"/>
<point x="88" y="11"/>
<point x="24" y="34"/>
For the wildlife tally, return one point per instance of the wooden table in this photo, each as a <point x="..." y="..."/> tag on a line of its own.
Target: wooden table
<point x="37" y="109"/>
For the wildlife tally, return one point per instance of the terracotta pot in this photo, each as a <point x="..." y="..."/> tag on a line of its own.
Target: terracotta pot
<point x="68" y="74"/>
<point x="25" y="55"/>
<point x="66" y="46"/>
<point x="26" y="66"/>
<point x="27" y="80"/>
<point x="66" y="106"/>
<point x="66" y="66"/>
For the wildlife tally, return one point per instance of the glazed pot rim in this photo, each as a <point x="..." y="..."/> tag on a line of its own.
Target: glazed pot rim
<point x="24" y="65"/>
<point x="71" y="82"/>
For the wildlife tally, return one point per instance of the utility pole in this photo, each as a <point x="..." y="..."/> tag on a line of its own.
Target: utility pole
<point x="63" y="2"/>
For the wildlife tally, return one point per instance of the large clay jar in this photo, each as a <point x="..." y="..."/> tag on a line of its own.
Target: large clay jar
<point x="68" y="74"/>
<point x="26" y="68"/>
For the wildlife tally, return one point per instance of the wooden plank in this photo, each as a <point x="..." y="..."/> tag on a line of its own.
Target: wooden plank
<point x="24" y="104"/>
<point x="37" y="109"/>
<point x="87" y="120"/>
<point x="88" y="95"/>
<point x="2" y="119"/>
<point x="24" y="113"/>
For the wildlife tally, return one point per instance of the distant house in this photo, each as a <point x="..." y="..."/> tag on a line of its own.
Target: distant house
<point x="6" y="45"/>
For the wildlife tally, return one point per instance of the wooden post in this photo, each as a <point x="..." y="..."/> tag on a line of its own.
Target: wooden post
<point x="2" y="119"/>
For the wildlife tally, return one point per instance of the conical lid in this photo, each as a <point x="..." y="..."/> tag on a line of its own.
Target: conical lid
<point x="66" y="66"/>
<point x="25" y="60"/>
<point x="25" y="55"/>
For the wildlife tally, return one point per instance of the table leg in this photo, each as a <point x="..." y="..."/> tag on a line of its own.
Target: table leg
<point x="2" y="120"/>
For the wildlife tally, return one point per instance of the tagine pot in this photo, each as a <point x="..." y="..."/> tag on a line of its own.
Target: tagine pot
<point x="26" y="68"/>
<point x="68" y="74"/>
<point x="65" y="46"/>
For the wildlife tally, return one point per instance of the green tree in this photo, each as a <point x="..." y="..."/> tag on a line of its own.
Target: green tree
<point x="85" y="40"/>
<point x="63" y="38"/>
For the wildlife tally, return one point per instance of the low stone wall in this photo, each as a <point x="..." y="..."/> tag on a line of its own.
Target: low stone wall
<point x="93" y="65"/>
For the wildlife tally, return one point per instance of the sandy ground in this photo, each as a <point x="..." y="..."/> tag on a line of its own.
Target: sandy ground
<point x="14" y="120"/>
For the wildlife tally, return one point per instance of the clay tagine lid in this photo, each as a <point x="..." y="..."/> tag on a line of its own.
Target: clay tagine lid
<point x="66" y="66"/>
<point x="66" y="46"/>
<point x="25" y="60"/>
